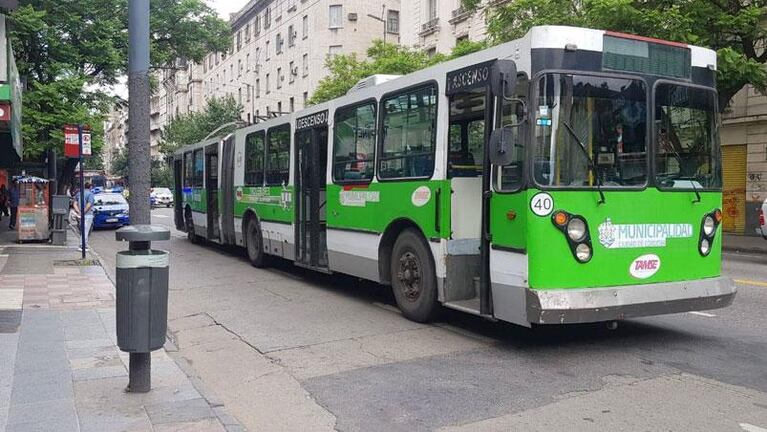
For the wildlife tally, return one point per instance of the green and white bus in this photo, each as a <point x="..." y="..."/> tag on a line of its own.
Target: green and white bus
<point x="570" y="176"/>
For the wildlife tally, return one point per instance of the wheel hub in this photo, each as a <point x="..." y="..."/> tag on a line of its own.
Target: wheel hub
<point x="409" y="276"/>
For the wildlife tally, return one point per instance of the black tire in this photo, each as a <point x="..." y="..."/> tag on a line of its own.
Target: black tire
<point x="413" y="277"/>
<point x="189" y="222"/>
<point x="254" y="244"/>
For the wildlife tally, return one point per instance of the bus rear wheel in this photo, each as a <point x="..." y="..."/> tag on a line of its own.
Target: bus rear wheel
<point x="413" y="278"/>
<point x="254" y="243"/>
<point x="190" y="234"/>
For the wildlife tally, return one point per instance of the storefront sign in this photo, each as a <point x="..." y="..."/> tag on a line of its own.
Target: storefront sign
<point x="621" y="236"/>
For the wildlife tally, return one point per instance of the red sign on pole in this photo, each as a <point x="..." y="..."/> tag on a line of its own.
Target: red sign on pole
<point x="72" y="141"/>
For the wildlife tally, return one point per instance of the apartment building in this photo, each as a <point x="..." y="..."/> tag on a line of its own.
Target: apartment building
<point x="436" y="26"/>
<point x="744" y="161"/>
<point x="115" y="133"/>
<point x="279" y="49"/>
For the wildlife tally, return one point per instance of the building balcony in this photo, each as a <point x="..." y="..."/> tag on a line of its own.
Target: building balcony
<point x="459" y="15"/>
<point x="431" y="26"/>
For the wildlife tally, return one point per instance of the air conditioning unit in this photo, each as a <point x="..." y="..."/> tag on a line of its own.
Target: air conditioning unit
<point x="352" y="16"/>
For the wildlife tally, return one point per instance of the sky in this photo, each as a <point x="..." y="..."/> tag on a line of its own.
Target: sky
<point x="225" y="7"/>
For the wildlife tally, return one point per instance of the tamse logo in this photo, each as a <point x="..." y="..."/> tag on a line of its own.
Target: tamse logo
<point x="645" y="266"/>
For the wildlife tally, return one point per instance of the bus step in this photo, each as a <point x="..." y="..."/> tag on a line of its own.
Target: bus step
<point x="469" y="306"/>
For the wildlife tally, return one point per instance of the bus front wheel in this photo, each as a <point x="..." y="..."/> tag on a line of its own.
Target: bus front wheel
<point x="254" y="243"/>
<point x="190" y="234"/>
<point x="414" y="281"/>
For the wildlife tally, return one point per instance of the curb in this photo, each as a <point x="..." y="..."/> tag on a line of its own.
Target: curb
<point x="740" y="250"/>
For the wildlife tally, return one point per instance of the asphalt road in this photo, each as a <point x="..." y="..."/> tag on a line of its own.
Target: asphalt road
<point x="287" y="349"/>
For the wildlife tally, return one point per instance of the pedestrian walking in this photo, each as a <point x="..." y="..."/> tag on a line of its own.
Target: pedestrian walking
<point x="13" y="201"/>
<point x="3" y="201"/>
<point x="86" y="212"/>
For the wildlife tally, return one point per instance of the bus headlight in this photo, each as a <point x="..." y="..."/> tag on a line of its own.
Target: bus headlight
<point x="576" y="232"/>
<point x="709" y="225"/>
<point x="583" y="252"/>
<point x="576" y="229"/>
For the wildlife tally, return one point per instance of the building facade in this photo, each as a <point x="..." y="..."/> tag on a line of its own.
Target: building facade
<point x="436" y="26"/>
<point x="744" y="157"/>
<point x="115" y="134"/>
<point x="279" y="49"/>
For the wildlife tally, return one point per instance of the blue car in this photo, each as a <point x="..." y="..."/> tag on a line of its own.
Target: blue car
<point x="110" y="210"/>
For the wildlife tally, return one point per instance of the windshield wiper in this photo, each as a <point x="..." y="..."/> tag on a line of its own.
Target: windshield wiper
<point x="678" y="158"/>
<point x="592" y="165"/>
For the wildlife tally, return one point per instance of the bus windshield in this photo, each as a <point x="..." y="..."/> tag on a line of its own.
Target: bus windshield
<point x="607" y="115"/>
<point x="687" y="152"/>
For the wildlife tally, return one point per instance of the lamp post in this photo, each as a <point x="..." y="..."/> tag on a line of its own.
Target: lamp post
<point x="382" y="19"/>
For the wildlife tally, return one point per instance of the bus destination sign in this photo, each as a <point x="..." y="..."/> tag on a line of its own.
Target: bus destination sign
<point x="468" y="78"/>
<point x="312" y="121"/>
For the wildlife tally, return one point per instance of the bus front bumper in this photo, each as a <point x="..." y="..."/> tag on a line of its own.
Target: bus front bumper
<point x="570" y="306"/>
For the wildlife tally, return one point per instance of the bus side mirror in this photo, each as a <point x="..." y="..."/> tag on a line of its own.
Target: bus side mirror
<point x="503" y="78"/>
<point x="502" y="147"/>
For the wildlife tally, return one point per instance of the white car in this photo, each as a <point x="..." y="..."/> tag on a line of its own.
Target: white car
<point x="161" y="197"/>
<point x="762" y="230"/>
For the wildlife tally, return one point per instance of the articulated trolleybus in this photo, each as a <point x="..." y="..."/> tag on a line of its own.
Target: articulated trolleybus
<point x="570" y="176"/>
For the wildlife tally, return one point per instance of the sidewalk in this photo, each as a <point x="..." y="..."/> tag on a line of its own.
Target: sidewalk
<point x="60" y="368"/>
<point x="744" y="244"/>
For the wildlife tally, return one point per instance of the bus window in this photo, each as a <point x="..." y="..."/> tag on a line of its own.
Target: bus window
<point x="188" y="169"/>
<point x="510" y="178"/>
<point x="466" y="138"/>
<point x="278" y="156"/>
<point x="254" y="159"/>
<point x="198" y="168"/>
<point x="409" y="134"/>
<point x="354" y="136"/>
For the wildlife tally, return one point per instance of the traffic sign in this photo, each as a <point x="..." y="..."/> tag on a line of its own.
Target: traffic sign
<point x="72" y="141"/>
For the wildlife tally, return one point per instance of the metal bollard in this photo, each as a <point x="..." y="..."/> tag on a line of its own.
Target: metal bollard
<point x="142" y="300"/>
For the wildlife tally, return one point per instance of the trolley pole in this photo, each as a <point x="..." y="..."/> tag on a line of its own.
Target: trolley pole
<point x="139" y="160"/>
<point x="82" y="192"/>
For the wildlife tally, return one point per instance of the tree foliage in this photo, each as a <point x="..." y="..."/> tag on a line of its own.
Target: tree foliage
<point x="68" y="51"/>
<point x="382" y="58"/>
<point x="733" y="28"/>
<point x="195" y="126"/>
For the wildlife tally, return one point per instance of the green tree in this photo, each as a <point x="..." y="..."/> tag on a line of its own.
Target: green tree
<point x="734" y="28"/>
<point x="119" y="163"/>
<point x="195" y="126"/>
<point x="382" y="58"/>
<point x="68" y="51"/>
<point x="162" y="176"/>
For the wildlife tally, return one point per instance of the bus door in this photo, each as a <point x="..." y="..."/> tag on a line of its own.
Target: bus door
<point x="178" y="196"/>
<point x="469" y="114"/>
<point x="227" y="192"/>
<point x="211" y="189"/>
<point x="310" y="185"/>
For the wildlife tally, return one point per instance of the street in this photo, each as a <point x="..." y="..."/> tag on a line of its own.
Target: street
<point x="287" y="349"/>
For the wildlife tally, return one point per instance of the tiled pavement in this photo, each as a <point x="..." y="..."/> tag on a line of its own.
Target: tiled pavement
<point x="60" y="369"/>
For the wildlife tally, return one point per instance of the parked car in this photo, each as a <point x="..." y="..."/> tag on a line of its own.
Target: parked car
<point x="110" y="211"/>
<point x="161" y="197"/>
<point x="762" y="226"/>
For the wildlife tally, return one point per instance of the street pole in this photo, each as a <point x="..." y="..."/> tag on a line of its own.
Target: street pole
<point x="82" y="192"/>
<point x="139" y="159"/>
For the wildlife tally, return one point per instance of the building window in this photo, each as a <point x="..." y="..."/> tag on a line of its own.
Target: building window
<point x="247" y="32"/>
<point x="291" y="36"/>
<point x="279" y="77"/>
<point x="254" y="159"/>
<point x="293" y="72"/>
<point x="231" y="72"/>
<point x="336" y="16"/>
<point x="239" y="68"/>
<point x="305" y="64"/>
<point x="247" y="62"/>
<point x="239" y="95"/>
<point x="409" y="134"/>
<point x="334" y="50"/>
<point x="258" y="88"/>
<point x="247" y="92"/>
<point x="431" y="8"/>
<point x="267" y="50"/>
<point x="216" y="55"/>
<point x="257" y="25"/>
<point x="305" y="27"/>
<point x="464" y="38"/>
<point x="210" y="61"/>
<point x="279" y="107"/>
<point x="278" y="43"/>
<point x="354" y="140"/>
<point x="267" y="17"/>
<point x="239" y="40"/>
<point x="267" y="84"/>
<point x="278" y="156"/>
<point x="392" y="22"/>
<point x="292" y="104"/>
